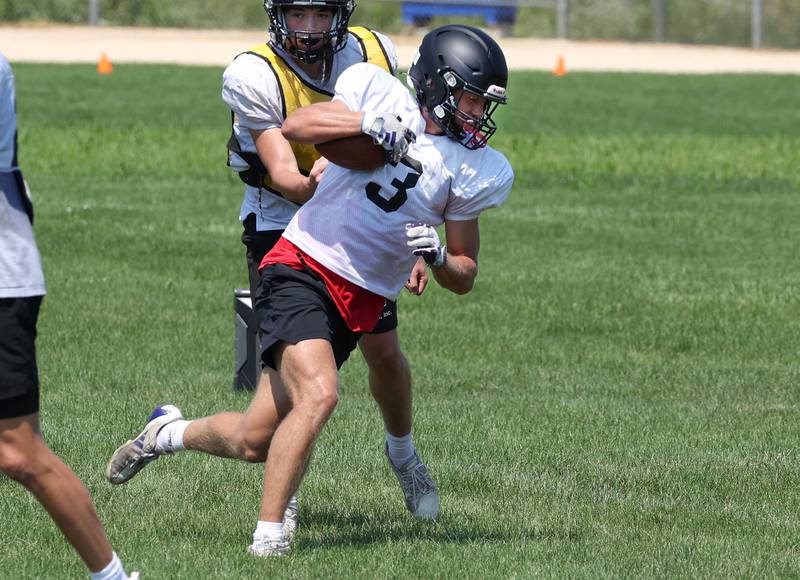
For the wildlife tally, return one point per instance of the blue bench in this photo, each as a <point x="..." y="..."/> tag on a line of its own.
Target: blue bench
<point x="495" y="13"/>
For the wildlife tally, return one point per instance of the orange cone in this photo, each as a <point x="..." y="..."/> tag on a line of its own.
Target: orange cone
<point x="104" y="66"/>
<point x="561" y="68"/>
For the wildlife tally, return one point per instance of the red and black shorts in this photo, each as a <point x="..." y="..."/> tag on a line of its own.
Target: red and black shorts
<point x="19" y="375"/>
<point x="259" y="243"/>
<point x="294" y="305"/>
<point x="388" y="319"/>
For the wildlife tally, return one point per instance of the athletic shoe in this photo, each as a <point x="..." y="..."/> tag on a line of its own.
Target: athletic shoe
<point x="134" y="576"/>
<point x="132" y="456"/>
<point x="418" y="487"/>
<point x="266" y="548"/>
<point x="290" y="519"/>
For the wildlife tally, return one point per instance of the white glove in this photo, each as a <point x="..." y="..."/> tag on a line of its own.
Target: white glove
<point x="389" y="132"/>
<point x="424" y="241"/>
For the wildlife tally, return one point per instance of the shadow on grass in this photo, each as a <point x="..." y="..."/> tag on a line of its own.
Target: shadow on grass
<point x="328" y="529"/>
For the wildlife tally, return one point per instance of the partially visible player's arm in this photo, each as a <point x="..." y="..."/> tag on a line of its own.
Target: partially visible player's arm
<point x="461" y="263"/>
<point x="455" y="266"/>
<point x="322" y="122"/>
<point x="277" y="156"/>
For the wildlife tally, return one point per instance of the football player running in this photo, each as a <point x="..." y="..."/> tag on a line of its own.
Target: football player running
<point x="310" y="46"/>
<point x="353" y="245"/>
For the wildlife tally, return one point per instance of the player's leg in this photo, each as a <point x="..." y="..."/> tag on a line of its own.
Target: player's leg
<point x="244" y="436"/>
<point x="390" y="384"/>
<point x="306" y="339"/>
<point x="25" y="458"/>
<point x="235" y="435"/>
<point x="309" y="372"/>
<point x="389" y="380"/>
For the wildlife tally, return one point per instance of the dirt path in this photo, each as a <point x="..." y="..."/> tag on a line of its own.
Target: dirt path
<point x="49" y="43"/>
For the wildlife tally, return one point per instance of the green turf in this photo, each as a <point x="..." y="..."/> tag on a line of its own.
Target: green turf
<point x="618" y="397"/>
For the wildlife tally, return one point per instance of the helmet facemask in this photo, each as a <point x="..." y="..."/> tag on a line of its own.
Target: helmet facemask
<point x="471" y="132"/>
<point x="306" y="46"/>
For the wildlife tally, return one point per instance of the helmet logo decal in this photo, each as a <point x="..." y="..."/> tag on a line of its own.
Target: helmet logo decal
<point x="450" y="79"/>
<point x="495" y="91"/>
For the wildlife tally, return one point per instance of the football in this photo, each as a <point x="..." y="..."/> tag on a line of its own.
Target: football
<point x="358" y="152"/>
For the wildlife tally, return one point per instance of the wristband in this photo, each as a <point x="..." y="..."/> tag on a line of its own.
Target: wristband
<point x="441" y="259"/>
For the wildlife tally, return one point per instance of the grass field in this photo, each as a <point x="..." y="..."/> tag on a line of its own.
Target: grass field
<point x="618" y="397"/>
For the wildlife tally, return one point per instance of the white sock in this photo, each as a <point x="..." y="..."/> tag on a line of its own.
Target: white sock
<point x="113" y="571"/>
<point x="401" y="449"/>
<point x="170" y="438"/>
<point x="268" y="531"/>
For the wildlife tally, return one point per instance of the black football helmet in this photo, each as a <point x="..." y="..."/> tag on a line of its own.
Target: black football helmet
<point x="454" y="57"/>
<point x="293" y="41"/>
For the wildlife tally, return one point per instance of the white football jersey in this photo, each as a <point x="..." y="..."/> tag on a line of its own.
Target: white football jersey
<point x="252" y="91"/>
<point x="355" y="223"/>
<point x="21" y="273"/>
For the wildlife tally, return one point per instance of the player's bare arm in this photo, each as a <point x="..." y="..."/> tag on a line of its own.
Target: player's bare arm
<point x="277" y="156"/>
<point x="460" y="266"/>
<point x="322" y="122"/>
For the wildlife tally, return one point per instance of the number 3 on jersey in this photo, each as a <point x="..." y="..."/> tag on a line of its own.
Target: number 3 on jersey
<point x="400" y="196"/>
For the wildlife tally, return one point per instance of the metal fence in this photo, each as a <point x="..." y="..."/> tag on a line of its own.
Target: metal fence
<point x="467" y="7"/>
<point x="565" y="10"/>
<point x="562" y="13"/>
